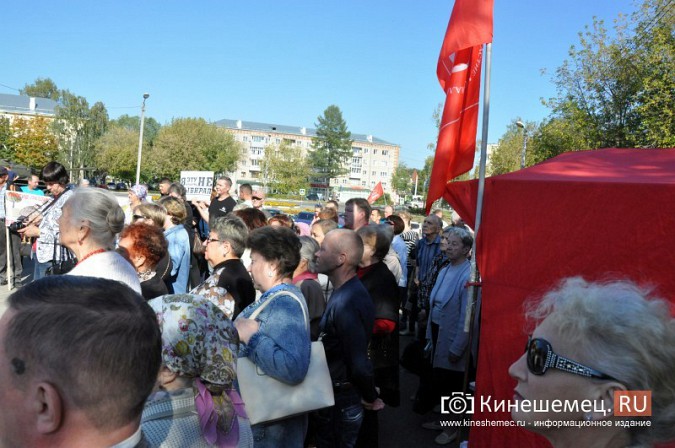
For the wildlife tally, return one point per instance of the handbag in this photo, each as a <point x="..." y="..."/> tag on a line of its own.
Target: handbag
<point x="64" y="264"/>
<point x="268" y="399"/>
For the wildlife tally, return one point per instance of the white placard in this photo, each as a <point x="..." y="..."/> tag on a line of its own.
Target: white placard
<point x="198" y="184"/>
<point x="22" y="204"/>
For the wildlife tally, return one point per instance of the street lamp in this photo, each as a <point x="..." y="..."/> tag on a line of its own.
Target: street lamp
<point x="140" y="140"/>
<point x="521" y="125"/>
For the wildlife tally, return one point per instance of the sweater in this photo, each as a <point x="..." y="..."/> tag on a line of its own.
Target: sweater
<point x="110" y="265"/>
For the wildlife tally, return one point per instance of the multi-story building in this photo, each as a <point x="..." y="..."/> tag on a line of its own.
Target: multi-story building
<point x="27" y="107"/>
<point x="373" y="160"/>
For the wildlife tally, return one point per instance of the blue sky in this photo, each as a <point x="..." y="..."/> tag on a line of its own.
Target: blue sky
<point x="285" y="62"/>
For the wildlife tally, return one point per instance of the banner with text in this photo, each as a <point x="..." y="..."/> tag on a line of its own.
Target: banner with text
<point x="198" y="184"/>
<point x="23" y="205"/>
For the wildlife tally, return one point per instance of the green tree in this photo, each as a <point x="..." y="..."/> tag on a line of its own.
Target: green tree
<point x="133" y="123"/>
<point x="285" y="169"/>
<point x="401" y="179"/>
<point x="6" y="148"/>
<point x="191" y="144"/>
<point x="507" y="156"/>
<point x="77" y="128"/>
<point x="42" y="88"/>
<point x="619" y="91"/>
<point x="33" y="143"/>
<point x="332" y="146"/>
<point x="117" y="151"/>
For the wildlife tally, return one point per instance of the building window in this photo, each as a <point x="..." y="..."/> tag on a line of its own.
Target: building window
<point x="356" y="170"/>
<point x="257" y="138"/>
<point x="374" y="173"/>
<point x="374" y="152"/>
<point x="385" y="152"/>
<point x="356" y="161"/>
<point x="277" y="141"/>
<point x="363" y="183"/>
<point x="365" y="150"/>
<point x="383" y="173"/>
<point x="245" y="138"/>
<point x="255" y="162"/>
<point x="356" y="150"/>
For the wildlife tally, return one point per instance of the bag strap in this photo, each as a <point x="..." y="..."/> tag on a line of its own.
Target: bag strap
<point x="273" y="296"/>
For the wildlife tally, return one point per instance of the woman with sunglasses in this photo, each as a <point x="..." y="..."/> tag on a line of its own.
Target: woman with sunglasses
<point x="592" y="340"/>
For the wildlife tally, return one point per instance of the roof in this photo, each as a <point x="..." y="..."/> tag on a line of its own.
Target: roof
<point x="292" y="130"/>
<point x="20" y="104"/>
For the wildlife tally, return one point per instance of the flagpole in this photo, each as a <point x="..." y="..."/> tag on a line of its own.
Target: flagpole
<point x="475" y="275"/>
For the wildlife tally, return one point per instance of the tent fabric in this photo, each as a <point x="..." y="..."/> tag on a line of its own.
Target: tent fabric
<point x="603" y="214"/>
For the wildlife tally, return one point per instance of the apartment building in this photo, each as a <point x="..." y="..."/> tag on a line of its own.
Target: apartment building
<point x="373" y="160"/>
<point x="27" y="107"/>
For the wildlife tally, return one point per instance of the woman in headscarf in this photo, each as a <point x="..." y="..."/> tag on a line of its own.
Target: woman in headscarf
<point x="195" y="403"/>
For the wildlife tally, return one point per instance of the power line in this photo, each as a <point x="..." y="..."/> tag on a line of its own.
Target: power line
<point x="12" y="88"/>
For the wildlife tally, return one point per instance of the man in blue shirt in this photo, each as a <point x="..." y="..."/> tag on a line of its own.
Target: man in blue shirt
<point x="32" y="186"/>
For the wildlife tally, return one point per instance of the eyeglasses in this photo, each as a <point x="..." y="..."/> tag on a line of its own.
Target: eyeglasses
<point x="137" y="217"/>
<point x="256" y="199"/>
<point x="211" y="240"/>
<point x="540" y="357"/>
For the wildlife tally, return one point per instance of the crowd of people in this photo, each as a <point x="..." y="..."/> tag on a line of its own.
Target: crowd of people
<point x="130" y="332"/>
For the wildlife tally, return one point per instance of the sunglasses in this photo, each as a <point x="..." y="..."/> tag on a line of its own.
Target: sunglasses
<point x="256" y="199"/>
<point x="540" y="357"/>
<point x="137" y="217"/>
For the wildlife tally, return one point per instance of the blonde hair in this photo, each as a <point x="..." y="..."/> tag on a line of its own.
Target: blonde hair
<point x="623" y="331"/>
<point x="154" y="212"/>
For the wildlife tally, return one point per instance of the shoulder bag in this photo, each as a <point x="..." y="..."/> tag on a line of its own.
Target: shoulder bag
<point x="268" y="399"/>
<point x="64" y="264"/>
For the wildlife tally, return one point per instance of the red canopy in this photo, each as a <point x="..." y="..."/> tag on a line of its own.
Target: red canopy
<point x="601" y="214"/>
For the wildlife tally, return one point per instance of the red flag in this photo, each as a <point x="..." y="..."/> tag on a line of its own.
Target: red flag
<point x="376" y="194"/>
<point x="458" y="70"/>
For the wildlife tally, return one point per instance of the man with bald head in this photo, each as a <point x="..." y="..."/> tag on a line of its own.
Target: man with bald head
<point x="347" y="325"/>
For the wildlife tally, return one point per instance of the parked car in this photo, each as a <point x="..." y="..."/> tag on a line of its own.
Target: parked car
<point x="112" y="186"/>
<point x="306" y="217"/>
<point x="273" y="211"/>
<point x="313" y="197"/>
<point x="121" y="186"/>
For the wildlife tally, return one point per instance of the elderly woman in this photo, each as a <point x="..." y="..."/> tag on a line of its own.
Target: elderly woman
<point x="229" y="286"/>
<point x="155" y="214"/>
<point x="145" y="246"/>
<point x="195" y="403"/>
<point x="90" y="221"/>
<point x="56" y="179"/>
<point x="305" y="278"/>
<point x="278" y="340"/>
<point x="446" y="338"/>
<point x="179" y="243"/>
<point x="383" y="349"/>
<point x="592" y="340"/>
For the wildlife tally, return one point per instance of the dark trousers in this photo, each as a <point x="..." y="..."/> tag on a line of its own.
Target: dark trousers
<point x="14" y="244"/>
<point x="338" y="426"/>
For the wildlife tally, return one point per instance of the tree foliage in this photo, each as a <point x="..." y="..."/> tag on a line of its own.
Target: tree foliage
<point x="6" y="149"/>
<point x="618" y="91"/>
<point x="191" y="144"/>
<point x="117" y="152"/>
<point x="133" y="123"/>
<point x="285" y="169"/>
<point x="401" y="179"/>
<point x="32" y="141"/>
<point x="332" y="146"/>
<point x="42" y="88"/>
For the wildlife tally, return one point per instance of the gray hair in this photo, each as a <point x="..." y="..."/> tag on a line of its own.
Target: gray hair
<point x="624" y="331"/>
<point x="308" y="252"/>
<point x="102" y="212"/>
<point x="233" y="230"/>
<point x="463" y="234"/>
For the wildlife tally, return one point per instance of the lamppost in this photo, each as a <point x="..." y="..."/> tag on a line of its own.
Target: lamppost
<point x="521" y="125"/>
<point x="140" y="140"/>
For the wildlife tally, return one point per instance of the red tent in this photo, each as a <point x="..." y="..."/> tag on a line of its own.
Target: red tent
<point x="600" y="214"/>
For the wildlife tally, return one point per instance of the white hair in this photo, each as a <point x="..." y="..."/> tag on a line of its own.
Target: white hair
<point x="102" y="211"/>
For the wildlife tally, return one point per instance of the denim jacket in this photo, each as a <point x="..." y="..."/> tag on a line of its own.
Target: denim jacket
<point x="281" y="347"/>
